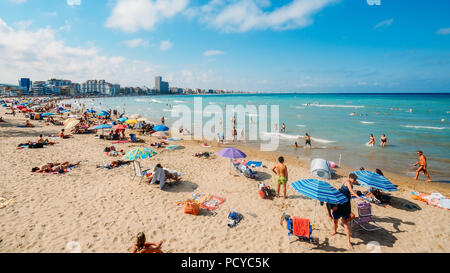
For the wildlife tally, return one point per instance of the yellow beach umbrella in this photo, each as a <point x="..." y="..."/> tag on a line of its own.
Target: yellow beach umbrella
<point x="131" y="121"/>
<point x="69" y="126"/>
<point x="67" y="121"/>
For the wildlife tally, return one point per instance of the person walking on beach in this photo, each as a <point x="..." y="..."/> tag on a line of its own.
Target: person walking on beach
<point x="307" y="140"/>
<point x="234" y="132"/>
<point x="372" y="140"/>
<point x="282" y="175"/>
<point x="283" y="128"/>
<point x="344" y="211"/>
<point x="422" y="166"/>
<point x="295" y="145"/>
<point x="384" y="140"/>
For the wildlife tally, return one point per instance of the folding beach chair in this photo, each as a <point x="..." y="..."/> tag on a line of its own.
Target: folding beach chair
<point x="365" y="217"/>
<point x="137" y="170"/>
<point x="293" y="229"/>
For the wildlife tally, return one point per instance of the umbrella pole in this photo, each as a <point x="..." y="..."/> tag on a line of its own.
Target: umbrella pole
<point x="314" y="215"/>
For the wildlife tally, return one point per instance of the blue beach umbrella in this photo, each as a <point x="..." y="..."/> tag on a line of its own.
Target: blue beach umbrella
<point x="103" y="114"/>
<point x="48" y="114"/>
<point x="319" y="190"/>
<point x="90" y="111"/>
<point x="102" y="126"/>
<point x="160" y="128"/>
<point x="370" y="179"/>
<point x="122" y="119"/>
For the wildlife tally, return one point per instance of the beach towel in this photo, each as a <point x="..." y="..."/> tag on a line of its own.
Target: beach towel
<point x="173" y="147"/>
<point x="254" y="163"/>
<point x="301" y="227"/>
<point x="174" y="139"/>
<point x="206" y="201"/>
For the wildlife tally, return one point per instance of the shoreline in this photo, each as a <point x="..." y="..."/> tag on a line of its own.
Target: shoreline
<point x="103" y="210"/>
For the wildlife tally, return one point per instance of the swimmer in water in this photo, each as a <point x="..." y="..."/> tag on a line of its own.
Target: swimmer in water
<point x="383" y="140"/>
<point x="372" y="140"/>
<point x="307" y="140"/>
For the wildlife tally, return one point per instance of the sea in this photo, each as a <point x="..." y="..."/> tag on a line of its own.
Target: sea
<point x="339" y="124"/>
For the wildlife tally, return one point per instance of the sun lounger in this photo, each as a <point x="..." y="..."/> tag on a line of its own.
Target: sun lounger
<point x="365" y="218"/>
<point x="299" y="227"/>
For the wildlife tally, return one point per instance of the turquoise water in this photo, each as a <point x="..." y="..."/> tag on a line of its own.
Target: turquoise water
<point x="334" y="132"/>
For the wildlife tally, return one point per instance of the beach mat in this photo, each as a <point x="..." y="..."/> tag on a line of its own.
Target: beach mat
<point x="206" y="201"/>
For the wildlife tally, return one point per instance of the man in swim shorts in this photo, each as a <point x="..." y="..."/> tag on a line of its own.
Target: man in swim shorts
<point x="282" y="175"/>
<point x="422" y="166"/>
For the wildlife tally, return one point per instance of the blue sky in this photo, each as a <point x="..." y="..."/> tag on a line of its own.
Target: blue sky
<point x="252" y="45"/>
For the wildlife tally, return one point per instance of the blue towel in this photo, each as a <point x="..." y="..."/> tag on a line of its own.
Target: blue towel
<point x="254" y="163"/>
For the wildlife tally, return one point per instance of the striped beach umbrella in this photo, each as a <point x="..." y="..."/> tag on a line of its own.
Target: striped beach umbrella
<point x="139" y="153"/>
<point x="319" y="190"/>
<point x="370" y="179"/>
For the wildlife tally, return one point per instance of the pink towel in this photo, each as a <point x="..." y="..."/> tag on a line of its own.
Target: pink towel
<point x="301" y="227"/>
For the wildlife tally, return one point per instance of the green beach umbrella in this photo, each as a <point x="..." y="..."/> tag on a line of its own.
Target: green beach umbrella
<point x="139" y="153"/>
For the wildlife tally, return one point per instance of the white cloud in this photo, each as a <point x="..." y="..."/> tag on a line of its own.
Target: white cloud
<point x="40" y="55"/>
<point x="246" y="15"/>
<point x="444" y="31"/>
<point x="384" y="23"/>
<point x="73" y="2"/>
<point x="213" y="52"/>
<point x="24" y="24"/>
<point x="136" y="43"/>
<point x="133" y="15"/>
<point x="165" y="45"/>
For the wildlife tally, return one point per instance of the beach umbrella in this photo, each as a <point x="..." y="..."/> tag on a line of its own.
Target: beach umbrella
<point x="160" y="134"/>
<point x="103" y="114"/>
<point x="131" y="121"/>
<point x="370" y="179"/>
<point x="20" y="107"/>
<point x="48" y="114"/>
<point x="59" y="108"/>
<point x="120" y="127"/>
<point x="90" y="111"/>
<point x="139" y="153"/>
<point x="232" y="153"/>
<point x="319" y="190"/>
<point x="122" y="119"/>
<point x="35" y="106"/>
<point x="135" y="116"/>
<point x="101" y="126"/>
<point x="161" y="128"/>
<point x="69" y="126"/>
<point x="138" y="125"/>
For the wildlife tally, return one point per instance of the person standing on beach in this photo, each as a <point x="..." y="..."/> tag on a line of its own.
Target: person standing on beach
<point x="307" y="140"/>
<point x="282" y="175"/>
<point x="344" y="210"/>
<point x="295" y="145"/>
<point x="422" y="166"/>
<point x="163" y="120"/>
<point x="234" y="132"/>
<point x="283" y="129"/>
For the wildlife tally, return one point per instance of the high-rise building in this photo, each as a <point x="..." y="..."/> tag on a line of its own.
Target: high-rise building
<point x="161" y="86"/>
<point x="25" y="84"/>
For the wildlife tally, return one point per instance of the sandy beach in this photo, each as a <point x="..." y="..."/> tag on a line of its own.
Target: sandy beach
<point x="103" y="210"/>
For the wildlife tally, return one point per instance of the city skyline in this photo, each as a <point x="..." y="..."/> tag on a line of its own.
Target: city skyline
<point x="251" y="45"/>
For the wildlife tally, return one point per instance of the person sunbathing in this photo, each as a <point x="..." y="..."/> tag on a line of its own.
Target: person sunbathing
<point x="28" y="124"/>
<point x="114" y="164"/>
<point x="205" y="154"/>
<point x="1" y="119"/>
<point x="142" y="247"/>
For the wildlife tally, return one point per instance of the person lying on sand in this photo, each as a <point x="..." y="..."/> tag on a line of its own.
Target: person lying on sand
<point x="142" y="247"/>
<point x="1" y="119"/>
<point x="205" y="154"/>
<point x="159" y="144"/>
<point x="114" y="164"/>
<point x="54" y="167"/>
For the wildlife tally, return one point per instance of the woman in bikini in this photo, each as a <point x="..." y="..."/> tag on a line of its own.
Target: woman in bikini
<point x="372" y="140"/>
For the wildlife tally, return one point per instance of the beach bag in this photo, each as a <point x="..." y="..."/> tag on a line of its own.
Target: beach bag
<point x="191" y="207"/>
